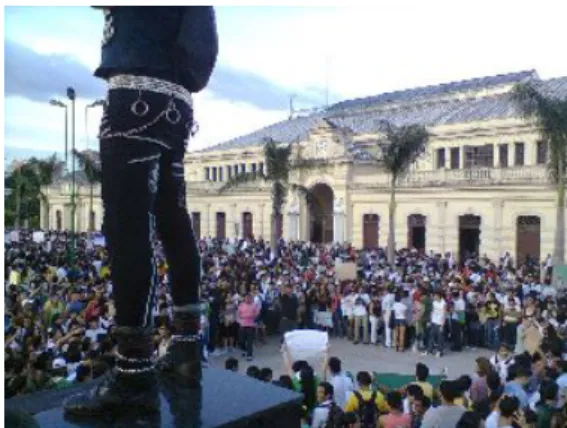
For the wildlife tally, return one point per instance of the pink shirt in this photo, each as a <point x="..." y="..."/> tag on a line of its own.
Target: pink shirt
<point x="396" y="421"/>
<point x="247" y="313"/>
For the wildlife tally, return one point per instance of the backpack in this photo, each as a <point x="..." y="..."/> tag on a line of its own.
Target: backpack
<point x="367" y="410"/>
<point x="336" y="417"/>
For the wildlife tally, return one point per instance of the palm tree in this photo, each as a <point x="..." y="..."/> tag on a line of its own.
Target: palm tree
<point x="47" y="170"/>
<point x="279" y="162"/>
<point x="550" y="115"/>
<point x="400" y="147"/>
<point x="90" y="164"/>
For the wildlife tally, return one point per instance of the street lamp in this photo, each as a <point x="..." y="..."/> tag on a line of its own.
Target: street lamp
<point x="96" y="103"/>
<point x="72" y="96"/>
<point x="57" y="103"/>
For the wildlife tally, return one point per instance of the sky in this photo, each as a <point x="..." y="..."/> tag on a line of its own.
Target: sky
<point x="268" y="54"/>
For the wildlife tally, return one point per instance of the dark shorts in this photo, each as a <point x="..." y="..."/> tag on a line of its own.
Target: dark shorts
<point x="399" y="323"/>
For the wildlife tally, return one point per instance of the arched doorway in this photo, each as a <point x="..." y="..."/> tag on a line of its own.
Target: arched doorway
<point x="528" y="239"/>
<point x="370" y="230"/>
<point x="469" y="236"/>
<point x="416" y="231"/>
<point x="321" y="214"/>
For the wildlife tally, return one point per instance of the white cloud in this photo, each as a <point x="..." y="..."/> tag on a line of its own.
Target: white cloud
<point x="220" y="120"/>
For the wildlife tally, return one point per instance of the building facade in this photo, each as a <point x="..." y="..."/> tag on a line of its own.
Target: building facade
<point x="482" y="185"/>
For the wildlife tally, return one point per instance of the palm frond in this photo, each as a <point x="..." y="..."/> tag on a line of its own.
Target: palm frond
<point x="402" y="147"/>
<point x="241" y="179"/>
<point x="277" y="160"/>
<point x="550" y="115"/>
<point x="307" y="194"/>
<point x="90" y="165"/>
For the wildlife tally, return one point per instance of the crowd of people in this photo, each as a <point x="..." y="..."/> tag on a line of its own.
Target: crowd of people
<point x="59" y="316"/>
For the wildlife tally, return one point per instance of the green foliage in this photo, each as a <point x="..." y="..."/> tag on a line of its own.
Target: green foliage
<point x="550" y="115"/>
<point x="279" y="162"/>
<point x="90" y="165"/>
<point x="402" y="146"/>
<point x="23" y="203"/>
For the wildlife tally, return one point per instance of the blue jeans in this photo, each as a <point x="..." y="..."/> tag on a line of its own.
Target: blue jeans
<point x="492" y="339"/>
<point x="436" y="338"/>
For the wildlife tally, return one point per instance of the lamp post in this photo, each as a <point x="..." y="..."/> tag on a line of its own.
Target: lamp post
<point x="72" y="96"/>
<point x="96" y="103"/>
<point x="57" y="103"/>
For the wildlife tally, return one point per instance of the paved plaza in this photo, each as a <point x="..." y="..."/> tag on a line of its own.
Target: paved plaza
<point x="363" y="357"/>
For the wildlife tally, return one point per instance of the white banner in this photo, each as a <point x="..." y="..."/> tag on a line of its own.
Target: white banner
<point x="307" y="345"/>
<point x="38" y="237"/>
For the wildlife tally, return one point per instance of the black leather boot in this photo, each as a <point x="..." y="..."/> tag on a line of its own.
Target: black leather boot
<point x="131" y="386"/>
<point x="183" y="358"/>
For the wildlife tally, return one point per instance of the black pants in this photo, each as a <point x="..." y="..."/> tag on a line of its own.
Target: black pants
<point x="143" y="192"/>
<point x="247" y="339"/>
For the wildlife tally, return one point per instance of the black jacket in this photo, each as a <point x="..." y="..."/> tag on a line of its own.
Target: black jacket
<point x="175" y="43"/>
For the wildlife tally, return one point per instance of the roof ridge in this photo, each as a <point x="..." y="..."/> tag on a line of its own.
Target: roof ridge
<point x="483" y="82"/>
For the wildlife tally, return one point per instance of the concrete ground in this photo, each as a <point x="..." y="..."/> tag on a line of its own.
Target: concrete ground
<point x="363" y="357"/>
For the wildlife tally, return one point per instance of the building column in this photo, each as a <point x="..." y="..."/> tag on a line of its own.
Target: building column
<point x="435" y="229"/>
<point x="497" y="155"/>
<point x="208" y="222"/>
<point x="491" y="232"/>
<point x="293" y="226"/>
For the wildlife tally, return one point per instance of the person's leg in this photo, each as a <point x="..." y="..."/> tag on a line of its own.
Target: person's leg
<point x="433" y="337"/>
<point x="365" y="329"/>
<point x="440" y="340"/>
<point x="373" y="329"/>
<point x="387" y="330"/>
<point x="130" y="174"/>
<point x="357" y="322"/>
<point x="176" y="233"/>
<point x="396" y="335"/>
<point x="402" y="337"/>
<point x="249" y="335"/>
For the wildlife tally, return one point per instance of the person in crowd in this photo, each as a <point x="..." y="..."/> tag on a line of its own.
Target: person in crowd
<point x="325" y="413"/>
<point x="479" y="389"/>
<point x="437" y="323"/>
<point x="253" y="372"/>
<point x="266" y="375"/>
<point x="421" y="375"/>
<point x="421" y="405"/>
<point x="247" y="314"/>
<point x="360" y="314"/>
<point x="519" y="376"/>
<point x="396" y="418"/>
<point x="508" y="410"/>
<point x="368" y="403"/>
<point x="231" y="364"/>
<point x="400" y="322"/>
<point x="289" y="306"/>
<point x="342" y="384"/>
<point x="448" y="413"/>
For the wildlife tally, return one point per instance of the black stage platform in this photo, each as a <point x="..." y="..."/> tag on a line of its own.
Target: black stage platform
<point x="226" y="400"/>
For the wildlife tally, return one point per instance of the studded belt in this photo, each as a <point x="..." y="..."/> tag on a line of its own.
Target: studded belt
<point x="151" y="84"/>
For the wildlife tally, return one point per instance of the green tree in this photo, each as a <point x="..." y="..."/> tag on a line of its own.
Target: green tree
<point x="400" y="147"/>
<point x="46" y="170"/>
<point x="280" y="162"/>
<point x="550" y="115"/>
<point x="90" y="164"/>
<point x="23" y="201"/>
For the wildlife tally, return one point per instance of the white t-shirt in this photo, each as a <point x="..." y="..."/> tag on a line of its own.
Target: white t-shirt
<point x="492" y="420"/>
<point x="347" y="305"/>
<point x="360" y="308"/>
<point x="400" y="310"/>
<point x="438" y="312"/>
<point x="387" y="302"/>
